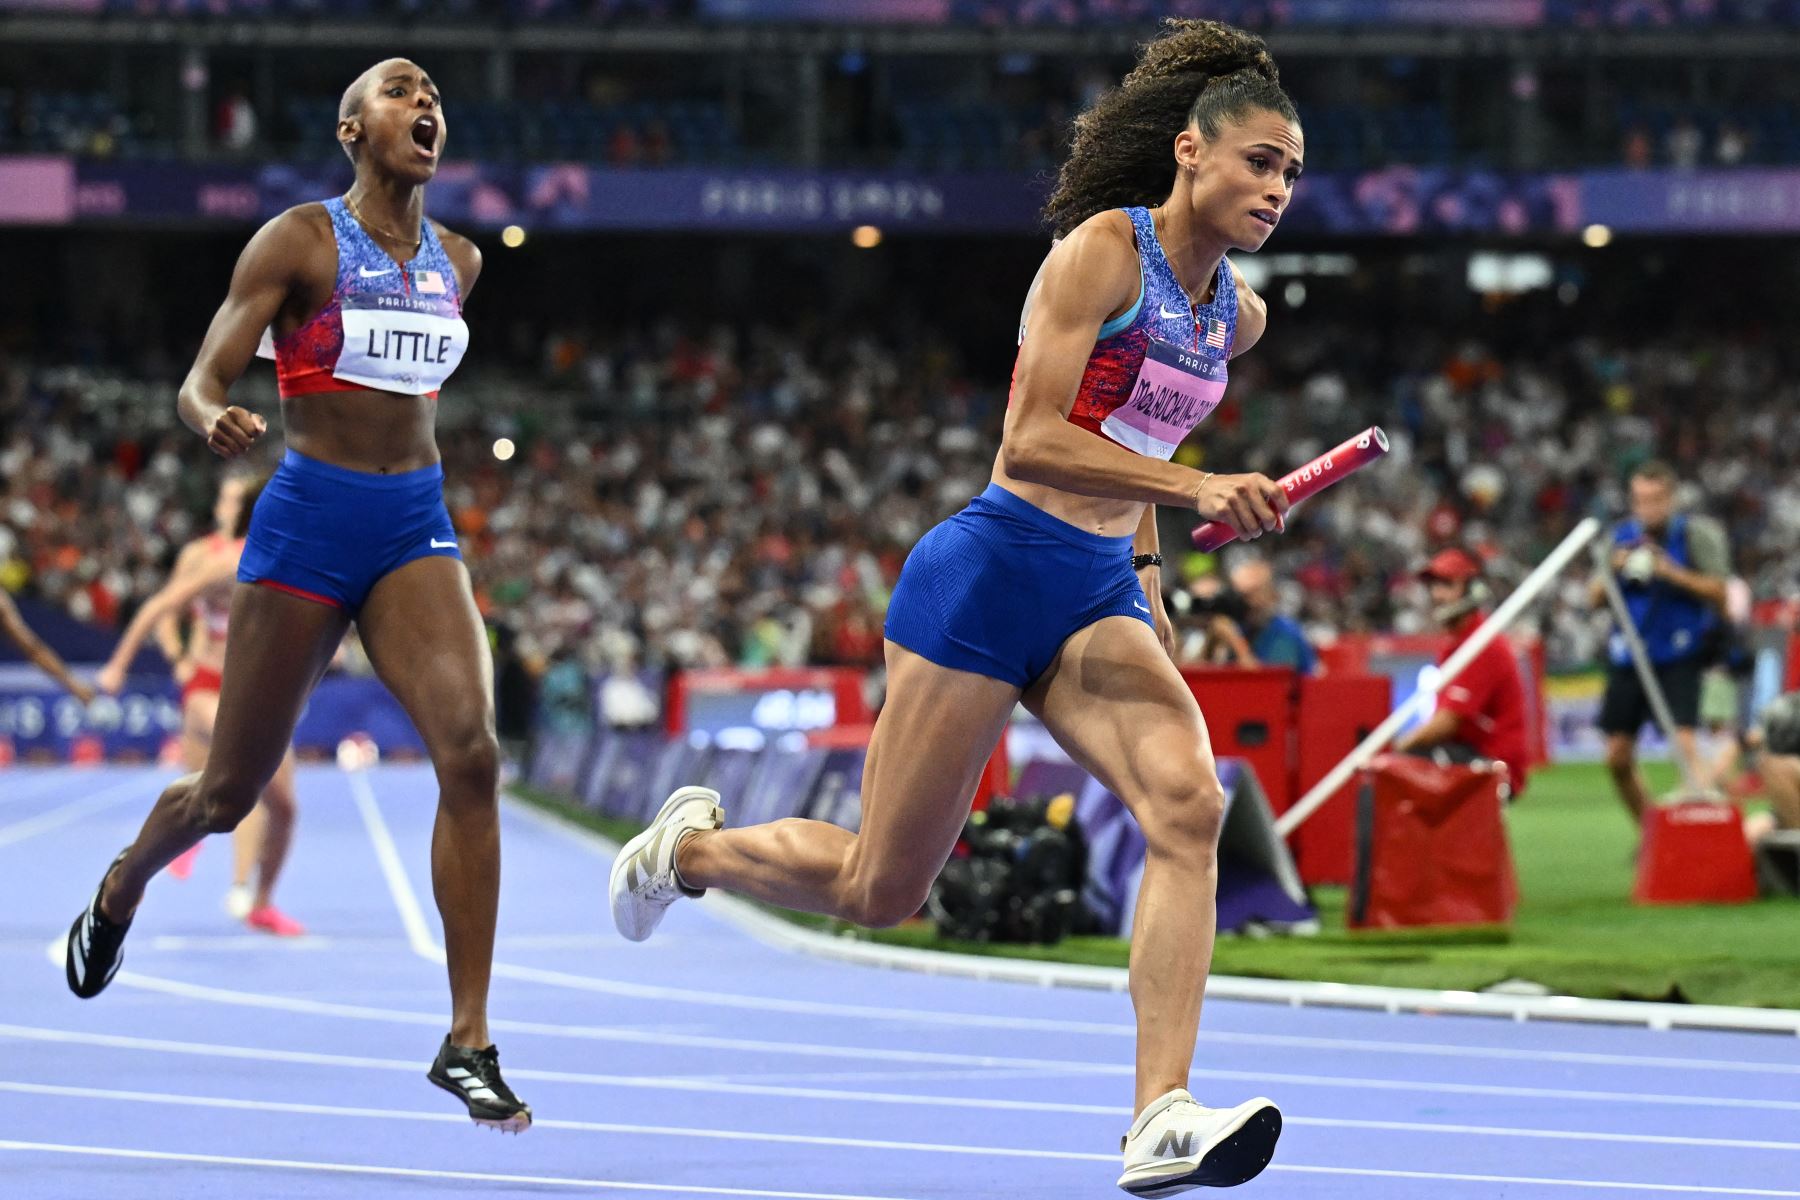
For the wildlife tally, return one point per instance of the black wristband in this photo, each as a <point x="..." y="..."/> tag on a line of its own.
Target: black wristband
<point x="1140" y="561"/>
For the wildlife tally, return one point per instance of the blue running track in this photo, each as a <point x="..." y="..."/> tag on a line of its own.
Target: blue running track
<point x="706" y="1063"/>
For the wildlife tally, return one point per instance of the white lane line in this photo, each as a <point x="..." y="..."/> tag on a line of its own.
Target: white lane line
<point x="665" y="1038"/>
<point x="118" y="793"/>
<point x="841" y="1095"/>
<point x="337" y="1168"/>
<point x="587" y="840"/>
<point x="703" y="1132"/>
<point x="732" y="1135"/>
<point x="412" y="915"/>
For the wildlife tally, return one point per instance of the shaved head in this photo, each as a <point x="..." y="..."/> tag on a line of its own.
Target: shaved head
<point x="350" y="107"/>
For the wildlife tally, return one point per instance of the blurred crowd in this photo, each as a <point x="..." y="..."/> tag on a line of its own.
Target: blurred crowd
<point x="670" y="496"/>
<point x="1631" y="14"/>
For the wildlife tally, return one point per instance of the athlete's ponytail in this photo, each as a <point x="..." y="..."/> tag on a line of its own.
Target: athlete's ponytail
<point x="1204" y="73"/>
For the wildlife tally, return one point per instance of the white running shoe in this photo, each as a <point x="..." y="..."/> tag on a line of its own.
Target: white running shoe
<point x="239" y="900"/>
<point x="644" y="882"/>
<point x="1177" y="1144"/>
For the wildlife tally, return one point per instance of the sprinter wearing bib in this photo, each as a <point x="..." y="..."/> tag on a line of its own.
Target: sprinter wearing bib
<point x="1044" y="589"/>
<point x="359" y="299"/>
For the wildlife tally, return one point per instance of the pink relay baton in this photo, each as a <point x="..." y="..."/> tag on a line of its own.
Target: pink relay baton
<point x="1316" y="475"/>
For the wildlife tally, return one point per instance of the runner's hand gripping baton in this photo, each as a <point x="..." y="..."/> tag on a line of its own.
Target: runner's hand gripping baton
<point x="1322" y="471"/>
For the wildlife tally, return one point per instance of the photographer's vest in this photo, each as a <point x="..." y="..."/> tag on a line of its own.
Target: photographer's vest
<point x="1672" y="621"/>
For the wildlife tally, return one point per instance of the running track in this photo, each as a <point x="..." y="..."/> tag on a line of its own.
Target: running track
<point x="706" y="1063"/>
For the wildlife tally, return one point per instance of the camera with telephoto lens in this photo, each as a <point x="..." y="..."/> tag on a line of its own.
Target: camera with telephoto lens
<point x="1780" y="721"/>
<point x="1020" y="880"/>
<point x="1640" y="564"/>
<point x="1222" y="602"/>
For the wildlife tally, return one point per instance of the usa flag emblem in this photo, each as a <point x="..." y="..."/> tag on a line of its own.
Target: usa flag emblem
<point x="432" y="283"/>
<point x="1215" y="334"/>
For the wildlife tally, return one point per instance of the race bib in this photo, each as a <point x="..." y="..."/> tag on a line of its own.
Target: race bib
<point x="401" y="343"/>
<point x="1175" y="390"/>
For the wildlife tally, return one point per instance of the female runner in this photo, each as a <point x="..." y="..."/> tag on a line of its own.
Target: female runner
<point x="1034" y="590"/>
<point x="364" y="299"/>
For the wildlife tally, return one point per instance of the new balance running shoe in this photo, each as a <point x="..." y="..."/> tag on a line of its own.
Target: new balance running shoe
<point x="473" y="1076"/>
<point x="644" y="881"/>
<point x="96" y="944"/>
<point x="1177" y="1144"/>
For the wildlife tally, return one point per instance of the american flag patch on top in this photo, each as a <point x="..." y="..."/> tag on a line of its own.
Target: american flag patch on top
<point x="1215" y="334"/>
<point x="432" y="283"/>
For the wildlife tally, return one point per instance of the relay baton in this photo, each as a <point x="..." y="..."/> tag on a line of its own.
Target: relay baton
<point x="1316" y="475"/>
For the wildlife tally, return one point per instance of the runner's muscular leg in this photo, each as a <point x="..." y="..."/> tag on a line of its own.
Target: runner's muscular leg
<point x="1116" y="703"/>
<point x="426" y="641"/>
<point x="930" y="743"/>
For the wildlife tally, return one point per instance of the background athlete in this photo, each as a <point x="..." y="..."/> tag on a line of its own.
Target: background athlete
<point x="1031" y="593"/>
<point x="204" y="576"/>
<point x="363" y="297"/>
<point x="13" y="625"/>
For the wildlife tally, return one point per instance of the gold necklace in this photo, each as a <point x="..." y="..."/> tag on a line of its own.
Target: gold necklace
<point x="1194" y="303"/>
<point x="365" y="223"/>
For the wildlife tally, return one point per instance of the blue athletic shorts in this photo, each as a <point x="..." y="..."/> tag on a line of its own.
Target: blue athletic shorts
<point x="998" y="588"/>
<point x="331" y="534"/>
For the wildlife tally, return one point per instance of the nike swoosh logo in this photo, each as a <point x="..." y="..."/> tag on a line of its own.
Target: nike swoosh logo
<point x="368" y="274"/>
<point x="1173" y="316"/>
<point x="1138" y="606"/>
<point x="437" y="545"/>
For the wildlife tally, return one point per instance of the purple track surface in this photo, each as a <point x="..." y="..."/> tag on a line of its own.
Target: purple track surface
<point x="704" y="1063"/>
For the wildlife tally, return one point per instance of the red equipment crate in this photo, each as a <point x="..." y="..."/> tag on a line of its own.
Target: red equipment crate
<point x="1431" y="847"/>
<point x="1336" y="713"/>
<point x="1695" y="853"/>
<point x="1250" y="715"/>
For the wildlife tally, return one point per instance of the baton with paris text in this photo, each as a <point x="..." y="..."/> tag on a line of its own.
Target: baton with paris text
<point x="1321" y="472"/>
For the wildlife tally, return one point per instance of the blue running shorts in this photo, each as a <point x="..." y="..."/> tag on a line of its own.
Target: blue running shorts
<point x="998" y="588"/>
<point x="331" y="534"/>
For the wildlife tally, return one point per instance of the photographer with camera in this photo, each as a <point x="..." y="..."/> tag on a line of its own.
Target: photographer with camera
<point x="1672" y="568"/>
<point x="1242" y="624"/>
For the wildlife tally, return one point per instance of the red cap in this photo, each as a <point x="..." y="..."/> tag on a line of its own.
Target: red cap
<point x="1452" y="564"/>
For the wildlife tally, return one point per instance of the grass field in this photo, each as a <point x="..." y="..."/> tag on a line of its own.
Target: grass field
<point x="1576" y="933"/>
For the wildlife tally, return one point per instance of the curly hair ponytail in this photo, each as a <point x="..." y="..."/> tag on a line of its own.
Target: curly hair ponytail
<point x="1197" y="72"/>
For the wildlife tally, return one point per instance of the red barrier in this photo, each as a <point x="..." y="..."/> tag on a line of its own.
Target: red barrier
<point x="1695" y="852"/>
<point x="1336" y="712"/>
<point x="1250" y="715"/>
<point x="87" y="751"/>
<point x="1431" y="847"/>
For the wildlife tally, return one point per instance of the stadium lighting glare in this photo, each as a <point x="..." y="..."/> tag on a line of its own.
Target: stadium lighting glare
<point x="503" y="448"/>
<point x="512" y="237"/>
<point x="1596" y="236"/>
<point x="866" y="237"/>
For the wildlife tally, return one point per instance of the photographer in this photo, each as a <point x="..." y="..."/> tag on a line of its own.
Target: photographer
<point x="1242" y="625"/>
<point x="1672" y="569"/>
<point x="1480" y="713"/>
<point x="1772" y="747"/>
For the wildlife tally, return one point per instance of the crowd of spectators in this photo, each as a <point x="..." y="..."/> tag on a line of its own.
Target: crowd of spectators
<point x="689" y="496"/>
<point x="1257" y="14"/>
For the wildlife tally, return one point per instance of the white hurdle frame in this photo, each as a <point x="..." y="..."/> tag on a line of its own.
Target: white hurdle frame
<point x="1493" y="627"/>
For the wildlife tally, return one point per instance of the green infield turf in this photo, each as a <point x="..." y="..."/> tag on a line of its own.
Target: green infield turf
<point x="1576" y="932"/>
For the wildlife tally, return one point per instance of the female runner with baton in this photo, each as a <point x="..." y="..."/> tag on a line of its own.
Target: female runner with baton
<point x="1045" y="586"/>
